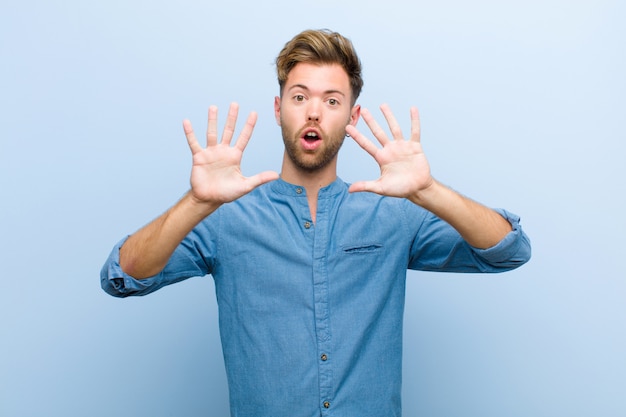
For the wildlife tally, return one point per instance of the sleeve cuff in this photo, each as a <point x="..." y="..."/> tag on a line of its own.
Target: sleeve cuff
<point x="119" y="284"/>
<point x="513" y="250"/>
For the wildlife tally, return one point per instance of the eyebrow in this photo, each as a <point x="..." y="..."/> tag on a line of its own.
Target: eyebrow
<point x="304" y="87"/>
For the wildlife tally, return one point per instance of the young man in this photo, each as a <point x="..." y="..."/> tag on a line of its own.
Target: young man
<point x="310" y="272"/>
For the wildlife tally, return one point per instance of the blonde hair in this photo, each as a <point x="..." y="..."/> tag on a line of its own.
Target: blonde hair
<point x="320" y="47"/>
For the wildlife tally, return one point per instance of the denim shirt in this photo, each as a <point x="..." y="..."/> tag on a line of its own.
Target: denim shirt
<point x="310" y="314"/>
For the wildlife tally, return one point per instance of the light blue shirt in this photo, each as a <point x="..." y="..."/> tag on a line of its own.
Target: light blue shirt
<point x="311" y="314"/>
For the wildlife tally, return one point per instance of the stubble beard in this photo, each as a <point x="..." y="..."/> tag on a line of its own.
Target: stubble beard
<point x="308" y="161"/>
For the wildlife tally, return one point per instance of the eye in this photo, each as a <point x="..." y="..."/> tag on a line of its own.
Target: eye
<point x="333" y="101"/>
<point x="299" y="98"/>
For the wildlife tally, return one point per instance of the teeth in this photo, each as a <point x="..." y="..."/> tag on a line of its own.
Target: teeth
<point x="311" y="135"/>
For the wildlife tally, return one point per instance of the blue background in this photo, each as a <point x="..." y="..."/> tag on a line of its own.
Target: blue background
<point x="522" y="106"/>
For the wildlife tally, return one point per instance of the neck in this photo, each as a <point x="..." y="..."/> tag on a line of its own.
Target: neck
<point x="312" y="181"/>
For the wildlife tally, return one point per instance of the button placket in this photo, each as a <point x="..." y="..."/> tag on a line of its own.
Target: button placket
<point x="321" y="298"/>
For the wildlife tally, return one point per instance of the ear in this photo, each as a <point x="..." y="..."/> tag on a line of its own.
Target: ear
<point x="277" y="109"/>
<point x="355" y="113"/>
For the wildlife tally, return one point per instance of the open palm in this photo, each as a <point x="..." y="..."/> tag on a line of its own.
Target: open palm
<point x="216" y="171"/>
<point x="404" y="169"/>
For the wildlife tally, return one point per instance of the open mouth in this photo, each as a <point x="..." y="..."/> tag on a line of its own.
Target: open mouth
<point x="311" y="137"/>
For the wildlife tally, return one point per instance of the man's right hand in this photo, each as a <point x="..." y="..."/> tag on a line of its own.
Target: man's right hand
<point x="216" y="176"/>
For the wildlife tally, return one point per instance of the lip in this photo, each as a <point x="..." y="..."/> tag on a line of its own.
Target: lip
<point x="310" y="145"/>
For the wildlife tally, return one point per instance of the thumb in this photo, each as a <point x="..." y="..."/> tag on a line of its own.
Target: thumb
<point x="360" y="186"/>
<point x="262" y="178"/>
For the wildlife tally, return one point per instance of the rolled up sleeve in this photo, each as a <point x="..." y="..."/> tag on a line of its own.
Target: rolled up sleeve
<point x="439" y="247"/>
<point x="512" y="251"/>
<point x="117" y="283"/>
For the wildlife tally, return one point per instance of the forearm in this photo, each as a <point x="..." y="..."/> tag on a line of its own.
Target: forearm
<point x="480" y="226"/>
<point x="147" y="251"/>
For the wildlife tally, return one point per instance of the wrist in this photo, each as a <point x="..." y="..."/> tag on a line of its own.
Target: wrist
<point x="198" y="208"/>
<point x="427" y="196"/>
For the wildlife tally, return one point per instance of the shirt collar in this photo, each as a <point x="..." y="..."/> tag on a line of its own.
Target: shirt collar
<point x="294" y="190"/>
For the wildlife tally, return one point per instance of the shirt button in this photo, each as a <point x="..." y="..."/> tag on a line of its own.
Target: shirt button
<point x="324" y="357"/>
<point x="326" y="404"/>
<point x="307" y="225"/>
<point x="298" y="190"/>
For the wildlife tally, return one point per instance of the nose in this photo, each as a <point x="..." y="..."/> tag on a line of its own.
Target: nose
<point x="313" y="111"/>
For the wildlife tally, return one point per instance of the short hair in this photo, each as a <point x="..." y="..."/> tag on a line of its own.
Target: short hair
<point x="320" y="47"/>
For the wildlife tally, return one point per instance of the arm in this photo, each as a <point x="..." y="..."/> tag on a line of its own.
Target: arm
<point x="479" y="226"/>
<point x="216" y="179"/>
<point x="405" y="173"/>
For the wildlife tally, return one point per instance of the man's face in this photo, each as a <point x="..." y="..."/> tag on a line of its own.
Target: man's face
<point x="313" y="111"/>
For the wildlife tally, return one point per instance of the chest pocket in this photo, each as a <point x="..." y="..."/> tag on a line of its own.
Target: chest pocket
<point x="365" y="248"/>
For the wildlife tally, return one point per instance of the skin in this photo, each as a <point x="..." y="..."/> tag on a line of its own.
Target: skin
<point x="318" y="98"/>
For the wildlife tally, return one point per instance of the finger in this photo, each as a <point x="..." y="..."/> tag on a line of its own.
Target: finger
<point x="261" y="178"/>
<point x="231" y="122"/>
<point x="360" y="186"/>
<point x="191" y="137"/>
<point x="367" y="145"/>
<point x="377" y="131"/>
<point x="396" y="131"/>
<point x="211" y="131"/>
<point x="415" y="125"/>
<point x="246" y="132"/>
